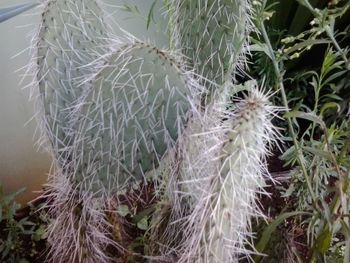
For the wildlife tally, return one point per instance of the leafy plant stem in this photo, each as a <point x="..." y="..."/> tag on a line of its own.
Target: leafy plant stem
<point x="328" y="30"/>
<point x="279" y="83"/>
<point x="338" y="48"/>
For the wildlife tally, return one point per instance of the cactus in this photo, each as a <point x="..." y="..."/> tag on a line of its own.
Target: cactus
<point x="133" y="112"/>
<point x="72" y="35"/>
<point x="216" y="190"/>
<point x="120" y="111"/>
<point x="212" y="34"/>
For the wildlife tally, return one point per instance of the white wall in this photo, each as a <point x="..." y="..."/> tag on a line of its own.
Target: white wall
<point x="21" y="164"/>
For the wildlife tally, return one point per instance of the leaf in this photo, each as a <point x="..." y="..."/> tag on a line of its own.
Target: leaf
<point x="9" y="12"/>
<point x="329" y="105"/>
<point x="133" y="9"/>
<point x="304" y="44"/>
<point x="10" y="197"/>
<point x="150" y="14"/>
<point x="345" y="228"/>
<point x="334" y="76"/>
<point x="307" y="116"/>
<point x="289" y="191"/>
<point x="289" y="156"/>
<point x="40" y="233"/>
<point x="260" y="47"/>
<point x="323" y="154"/>
<point x="143" y="224"/>
<point x="123" y="210"/>
<point x="323" y="241"/>
<point x="266" y="235"/>
<point x="144" y="213"/>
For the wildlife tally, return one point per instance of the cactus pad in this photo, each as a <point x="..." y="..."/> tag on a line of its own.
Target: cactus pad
<point x="71" y="36"/>
<point x="211" y="33"/>
<point x="134" y="112"/>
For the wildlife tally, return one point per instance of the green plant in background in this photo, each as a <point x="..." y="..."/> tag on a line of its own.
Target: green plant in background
<point x="19" y="237"/>
<point x="317" y="124"/>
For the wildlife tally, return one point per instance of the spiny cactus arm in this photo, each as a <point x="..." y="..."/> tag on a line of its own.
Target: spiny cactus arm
<point x="132" y="114"/>
<point x="242" y="172"/>
<point x="71" y="36"/>
<point x="221" y="197"/>
<point x="213" y="34"/>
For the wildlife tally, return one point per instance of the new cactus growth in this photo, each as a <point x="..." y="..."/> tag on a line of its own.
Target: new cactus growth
<point x="133" y="112"/>
<point x="212" y="34"/>
<point x="72" y="35"/>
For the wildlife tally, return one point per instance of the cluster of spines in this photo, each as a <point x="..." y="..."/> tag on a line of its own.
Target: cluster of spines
<point x="80" y="230"/>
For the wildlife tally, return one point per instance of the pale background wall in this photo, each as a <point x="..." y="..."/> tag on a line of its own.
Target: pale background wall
<point x="21" y="164"/>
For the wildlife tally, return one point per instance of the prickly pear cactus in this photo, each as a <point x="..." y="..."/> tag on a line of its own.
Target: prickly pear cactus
<point x="72" y="36"/>
<point x="133" y="112"/>
<point x="119" y="116"/>
<point x="211" y="33"/>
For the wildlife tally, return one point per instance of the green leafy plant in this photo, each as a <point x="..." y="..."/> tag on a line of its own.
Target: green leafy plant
<point x="19" y="237"/>
<point x="317" y="126"/>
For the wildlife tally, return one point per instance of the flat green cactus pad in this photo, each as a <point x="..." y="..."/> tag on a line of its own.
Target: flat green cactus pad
<point x="210" y="32"/>
<point x="71" y="37"/>
<point x="134" y="112"/>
